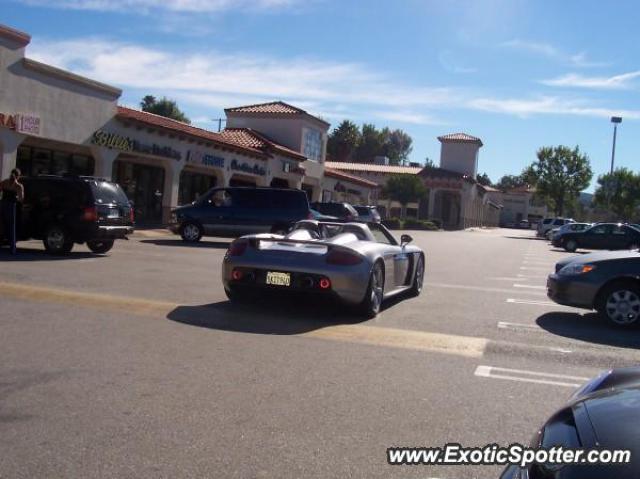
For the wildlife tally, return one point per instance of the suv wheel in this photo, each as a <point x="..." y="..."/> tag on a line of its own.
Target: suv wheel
<point x="570" y="245"/>
<point x="100" y="246"/>
<point x="191" y="232"/>
<point x="57" y="241"/>
<point x="620" y="303"/>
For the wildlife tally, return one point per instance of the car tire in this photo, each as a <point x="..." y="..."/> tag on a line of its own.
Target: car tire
<point x="191" y="232"/>
<point x="57" y="241"/>
<point x="570" y="245"/>
<point x="418" y="278"/>
<point x="100" y="246"/>
<point x="372" y="302"/>
<point x="619" y="303"/>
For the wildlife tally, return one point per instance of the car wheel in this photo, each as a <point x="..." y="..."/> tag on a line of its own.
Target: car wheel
<point x="620" y="304"/>
<point x="570" y="245"/>
<point x="418" y="279"/>
<point x="191" y="232"/>
<point x="56" y="241"/>
<point x="372" y="302"/>
<point x="100" y="246"/>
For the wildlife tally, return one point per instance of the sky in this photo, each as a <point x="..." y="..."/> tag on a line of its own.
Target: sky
<point x="519" y="74"/>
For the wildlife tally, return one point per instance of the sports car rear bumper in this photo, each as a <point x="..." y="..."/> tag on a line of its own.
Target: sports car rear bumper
<point x="347" y="283"/>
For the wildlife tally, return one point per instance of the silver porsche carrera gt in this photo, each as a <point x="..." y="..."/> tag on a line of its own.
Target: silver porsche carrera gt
<point x="360" y="264"/>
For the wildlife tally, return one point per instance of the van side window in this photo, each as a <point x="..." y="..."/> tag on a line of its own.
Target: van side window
<point x="220" y="198"/>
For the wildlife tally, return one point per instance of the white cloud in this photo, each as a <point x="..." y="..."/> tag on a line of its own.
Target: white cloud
<point x="145" y="6"/>
<point x="333" y="90"/>
<point x="608" y="83"/>
<point x="548" y="105"/>
<point x="550" y="51"/>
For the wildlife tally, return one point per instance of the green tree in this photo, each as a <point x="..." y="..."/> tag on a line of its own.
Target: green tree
<point x="484" y="180"/>
<point x="163" y="107"/>
<point x="619" y="192"/>
<point x="559" y="174"/>
<point x="508" y="182"/>
<point x="429" y="163"/>
<point x="397" y="145"/>
<point x="343" y="141"/>
<point x="404" y="189"/>
<point x="372" y="142"/>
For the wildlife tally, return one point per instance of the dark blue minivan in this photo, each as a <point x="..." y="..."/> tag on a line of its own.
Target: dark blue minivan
<point x="236" y="211"/>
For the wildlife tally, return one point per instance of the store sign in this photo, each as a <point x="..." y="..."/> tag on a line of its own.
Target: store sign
<point x="247" y="168"/>
<point x="205" y="159"/>
<point x="124" y="143"/>
<point x="27" y="124"/>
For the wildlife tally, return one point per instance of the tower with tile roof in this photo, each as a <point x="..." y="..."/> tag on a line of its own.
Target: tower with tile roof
<point x="459" y="153"/>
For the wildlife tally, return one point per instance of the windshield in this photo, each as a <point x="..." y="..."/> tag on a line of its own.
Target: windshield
<point x="106" y="192"/>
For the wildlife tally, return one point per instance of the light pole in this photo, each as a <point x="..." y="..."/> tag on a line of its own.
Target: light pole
<point x="616" y="120"/>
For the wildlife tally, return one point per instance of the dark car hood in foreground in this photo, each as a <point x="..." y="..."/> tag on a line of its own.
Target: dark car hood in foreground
<point x="600" y="256"/>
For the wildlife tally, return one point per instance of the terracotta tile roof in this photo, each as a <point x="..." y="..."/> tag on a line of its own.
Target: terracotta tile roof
<point x="17" y="36"/>
<point x="346" y="177"/>
<point x="373" y="168"/>
<point x="180" y="127"/>
<point x="252" y="139"/>
<point x="273" y="108"/>
<point x="489" y="188"/>
<point x="460" y="137"/>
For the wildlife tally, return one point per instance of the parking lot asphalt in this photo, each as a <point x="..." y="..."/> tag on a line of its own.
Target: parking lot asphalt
<point x="134" y="364"/>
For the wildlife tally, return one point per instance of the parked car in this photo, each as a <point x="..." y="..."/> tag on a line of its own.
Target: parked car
<point x="550" y="223"/>
<point x="602" y="414"/>
<point x="368" y="214"/>
<point x="236" y="211"/>
<point x="568" y="228"/>
<point x="608" y="282"/>
<point x="524" y="224"/>
<point x="341" y="210"/>
<point x="64" y="210"/>
<point x="357" y="263"/>
<point x="601" y="236"/>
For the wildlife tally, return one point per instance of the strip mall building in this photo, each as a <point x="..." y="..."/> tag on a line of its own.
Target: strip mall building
<point x="54" y="122"/>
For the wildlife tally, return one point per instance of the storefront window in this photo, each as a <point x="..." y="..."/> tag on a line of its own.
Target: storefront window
<point x="193" y="185"/>
<point x="144" y="186"/>
<point x="39" y="161"/>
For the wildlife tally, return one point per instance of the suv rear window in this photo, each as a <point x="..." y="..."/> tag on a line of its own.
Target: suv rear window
<point x="363" y="210"/>
<point x="106" y="192"/>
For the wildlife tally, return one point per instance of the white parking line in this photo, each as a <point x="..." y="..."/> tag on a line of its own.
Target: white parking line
<point x="532" y="286"/>
<point x="530" y="301"/>
<point x="516" y="326"/>
<point x="529" y="376"/>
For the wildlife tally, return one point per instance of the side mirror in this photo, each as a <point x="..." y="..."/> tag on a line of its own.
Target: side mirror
<point x="405" y="239"/>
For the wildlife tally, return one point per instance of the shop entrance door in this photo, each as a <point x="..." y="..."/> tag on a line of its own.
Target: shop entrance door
<point x="144" y="185"/>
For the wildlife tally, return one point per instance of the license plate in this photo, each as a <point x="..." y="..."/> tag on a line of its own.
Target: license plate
<point x="113" y="213"/>
<point x="278" y="279"/>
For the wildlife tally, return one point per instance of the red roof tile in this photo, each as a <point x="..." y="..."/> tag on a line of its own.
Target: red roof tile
<point x="272" y="108"/>
<point x="346" y="177"/>
<point x="252" y="139"/>
<point x="373" y="168"/>
<point x="460" y="137"/>
<point x="180" y="127"/>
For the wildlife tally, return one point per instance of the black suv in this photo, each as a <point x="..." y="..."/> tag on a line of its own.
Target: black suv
<point x="63" y="210"/>
<point x="233" y="212"/>
<point x="342" y="211"/>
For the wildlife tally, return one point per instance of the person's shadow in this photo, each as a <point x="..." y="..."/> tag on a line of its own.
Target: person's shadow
<point x="589" y="328"/>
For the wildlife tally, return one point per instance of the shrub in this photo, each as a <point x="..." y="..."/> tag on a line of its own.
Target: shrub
<point x="393" y="223"/>
<point x="413" y="224"/>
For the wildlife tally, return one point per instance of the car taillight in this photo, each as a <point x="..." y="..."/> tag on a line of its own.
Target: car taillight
<point x="90" y="214"/>
<point x="237" y="248"/>
<point x="343" y="258"/>
<point x="132" y="216"/>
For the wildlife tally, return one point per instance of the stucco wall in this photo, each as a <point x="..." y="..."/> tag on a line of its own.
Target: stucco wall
<point x="460" y="157"/>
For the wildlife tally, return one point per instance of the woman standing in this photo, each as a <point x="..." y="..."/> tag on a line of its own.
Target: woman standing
<point x="12" y="193"/>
